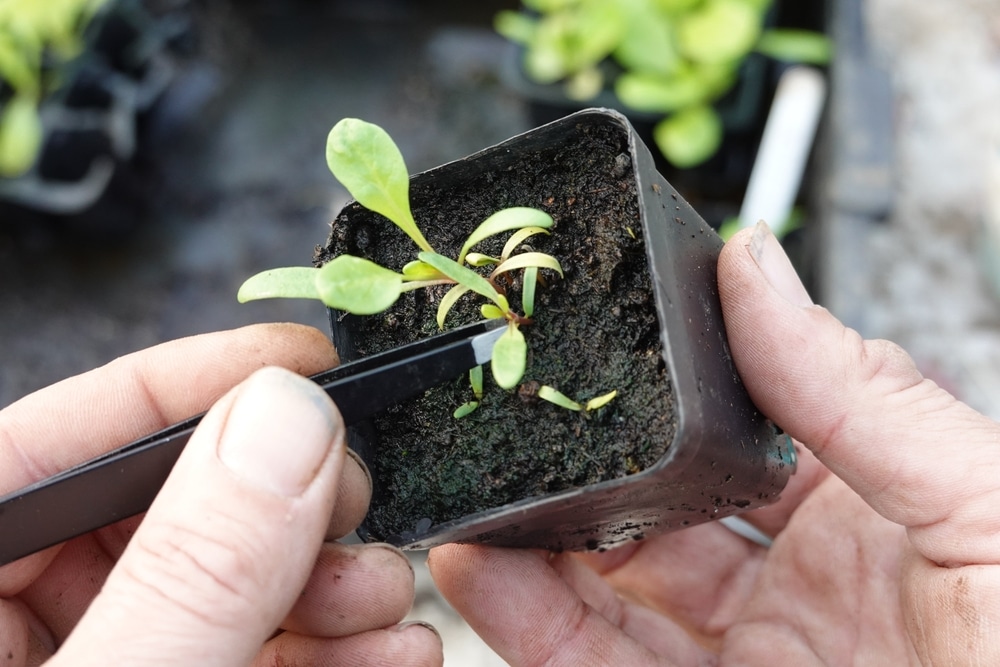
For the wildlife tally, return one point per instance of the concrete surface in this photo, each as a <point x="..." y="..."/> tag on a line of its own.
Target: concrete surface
<point x="244" y="187"/>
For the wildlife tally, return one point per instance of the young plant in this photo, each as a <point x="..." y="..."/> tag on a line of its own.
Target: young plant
<point x="476" y="380"/>
<point x="367" y="162"/>
<point x="670" y="57"/>
<point x="34" y="36"/>
<point x="553" y="395"/>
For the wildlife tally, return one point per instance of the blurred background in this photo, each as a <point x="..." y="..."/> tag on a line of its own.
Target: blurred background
<point x="155" y="153"/>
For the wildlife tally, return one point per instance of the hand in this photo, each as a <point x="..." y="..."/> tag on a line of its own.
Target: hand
<point x="887" y="540"/>
<point x="233" y="547"/>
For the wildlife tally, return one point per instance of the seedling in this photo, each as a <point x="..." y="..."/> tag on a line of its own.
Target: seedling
<point x="476" y="380"/>
<point x="367" y="162"/>
<point x="670" y="57"/>
<point x="37" y="39"/>
<point x="553" y="395"/>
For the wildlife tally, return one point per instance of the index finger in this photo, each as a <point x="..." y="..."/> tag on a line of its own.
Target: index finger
<point x="86" y="415"/>
<point x="89" y="414"/>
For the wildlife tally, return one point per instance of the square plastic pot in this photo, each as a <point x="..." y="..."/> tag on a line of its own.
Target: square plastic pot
<point x="725" y="457"/>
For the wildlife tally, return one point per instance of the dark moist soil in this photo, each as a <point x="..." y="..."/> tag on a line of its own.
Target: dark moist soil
<point x="594" y="331"/>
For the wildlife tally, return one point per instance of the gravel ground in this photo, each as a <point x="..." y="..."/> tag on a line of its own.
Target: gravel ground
<point x="244" y="187"/>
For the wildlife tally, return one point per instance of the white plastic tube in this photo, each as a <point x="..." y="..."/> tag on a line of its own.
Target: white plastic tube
<point x="784" y="148"/>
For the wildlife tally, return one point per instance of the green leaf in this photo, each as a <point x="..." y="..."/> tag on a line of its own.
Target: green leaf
<point x="528" y="292"/>
<point x="20" y="63"/>
<point x="585" y="84"/>
<point x="676" y="6"/>
<point x="20" y="135"/>
<point x="358" y="285"/>
<point x="600" y="401"/>
<point x="526" y="259"/>
<point x="648" y="43"/>
<point x="292" y="282"/>
<point x="504" y="221"/>
<point x="516" y="26"/>
<point x="598" y="28"/>
<point x="364" y="158"/>
<point x="689" y="137"/>
<point x="517" y="238"/>
<point x="476" y="380"/>
<point x="719" y="31"/>
<point x="449" y="300"/>
<point x="462" y="275"/>
<point x="662" y="94"/>
<point x="465" y="409"/>
<point x="417" y="270"/>
<point x="491" y="312"/>
<point x="478" y="259"/>
<point x="553" y="395"/>
<point x="547" y="6"/>
<point x="796" y="46"/>
<point x="510" y="357"/>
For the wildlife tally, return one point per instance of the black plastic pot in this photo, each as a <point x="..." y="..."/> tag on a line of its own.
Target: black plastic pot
<point x="723" y="176"/>
<point x="725" y="456"/>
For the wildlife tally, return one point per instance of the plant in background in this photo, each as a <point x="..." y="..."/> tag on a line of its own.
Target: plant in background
<point x="671" y="57"/>
<point x="368" y="163"/>
<point x="35" y="37"/>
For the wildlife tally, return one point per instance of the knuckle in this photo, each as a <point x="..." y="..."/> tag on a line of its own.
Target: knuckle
<point x="196" y="569"/>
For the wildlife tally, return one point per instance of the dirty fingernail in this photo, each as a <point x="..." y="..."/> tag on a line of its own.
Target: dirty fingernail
<point x="772" y="261"/>
<point x="406" y="625"/>
<point x="395" y="551"/>
<point x="279" y="431"/>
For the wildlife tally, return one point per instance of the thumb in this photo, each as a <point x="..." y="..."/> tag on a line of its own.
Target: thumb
<point x="908" y="448"/>
<point x="230" y="541"/>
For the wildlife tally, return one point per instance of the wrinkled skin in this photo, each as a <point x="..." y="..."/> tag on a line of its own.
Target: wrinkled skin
<point x="886" y="543"/>
<point x="230" y="565"/>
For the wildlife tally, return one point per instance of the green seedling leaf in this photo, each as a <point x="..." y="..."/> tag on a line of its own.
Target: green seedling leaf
<point x="548" y="6"/>
<point x="463" y="276"/>
<point x="417" y="270"/>
<point x="648" y="43"/>
<point x="676" y="6"/>
<point x="689" y="137"/>
<point x="491" y="312"/>
<point x="528" y="292"/>
<point x="656" y="93"/>
<point x="364" y="158"/>
<point x="598" y="27"/>
<point x="517" y="238"/>
<point x="553" y="395"/>
<point x="796" y="46"/>
<point x="465" y="409"/>
<point x="476" y="380"/>
<point x="449" y="300"/>
<point x="510" y="357"/>
<point x="358" y="285"/>
<point x="585" y="84"/>
<point x="503" y="221"/>
<point x="292" y="282"/>
<point x="600" y="401"/>
<point x="526" y="259"/>
<point x="719" y="31"/>
<point x="20" y="135"/>
<point x="516" y="26"/>
<point x="478" y="259"/>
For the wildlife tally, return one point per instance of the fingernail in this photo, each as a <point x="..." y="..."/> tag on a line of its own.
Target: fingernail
<point x="361" y="464"/>
<point x="406" y="625"/>
<point x="395" y="551"/>
<point x="772" y="261"/>
<point x="279" y="431"/>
